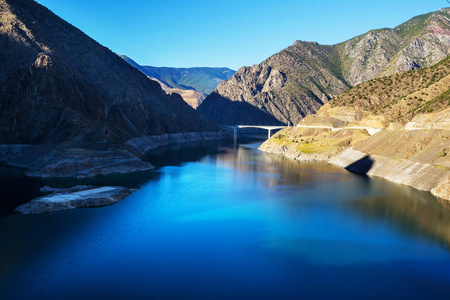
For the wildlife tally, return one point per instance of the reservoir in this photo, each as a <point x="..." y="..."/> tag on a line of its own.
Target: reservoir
<point x="230" y="222"/>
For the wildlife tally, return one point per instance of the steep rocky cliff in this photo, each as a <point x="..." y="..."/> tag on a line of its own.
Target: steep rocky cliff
<point x="59" y="85"/>
<point x="290" y="84"/>
<point x="298" y="80"/>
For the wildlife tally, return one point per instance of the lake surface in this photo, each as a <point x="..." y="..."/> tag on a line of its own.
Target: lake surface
<point x="224" y="222"/>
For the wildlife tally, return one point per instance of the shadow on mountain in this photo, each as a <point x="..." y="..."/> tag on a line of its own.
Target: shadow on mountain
<point x="361" y="166"/>
<point x="224" y="111"/>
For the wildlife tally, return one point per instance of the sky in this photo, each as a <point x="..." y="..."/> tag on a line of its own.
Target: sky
<point x="227" y="33"/>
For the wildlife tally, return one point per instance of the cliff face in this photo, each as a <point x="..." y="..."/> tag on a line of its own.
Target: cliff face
<point x="298" y="80"/>
<point x="58" y="85"/>
<point x="287" y="86"/>
<point x="417" y="43"/>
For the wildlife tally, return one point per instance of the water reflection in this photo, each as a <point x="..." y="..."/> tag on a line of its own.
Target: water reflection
<point x="286" y="171"/>
<point x="411" y="211"/>
<point x="225" y="222"/>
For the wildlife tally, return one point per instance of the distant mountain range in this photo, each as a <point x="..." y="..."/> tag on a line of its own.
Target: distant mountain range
<point x="193" y="84"/>
<point x="298" y="80"/>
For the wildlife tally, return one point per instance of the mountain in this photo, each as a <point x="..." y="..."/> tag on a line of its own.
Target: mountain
<point x="396" y="127"/>
<point x="189" y="95"/>
<point x="181" y="80"/>
<point x="298" y="80"/>
<point x="57" y="86"/>
<point x="396" y="98"/>
<point x="56" y="83"/>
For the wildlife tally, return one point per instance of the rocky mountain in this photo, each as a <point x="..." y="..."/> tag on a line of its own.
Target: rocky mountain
<point x="298" y="80"/>
<point x="396" y="127"/>
<point x="193" y="84"/>
<point x="58" y="86"/>
<point x="396" y="98"/>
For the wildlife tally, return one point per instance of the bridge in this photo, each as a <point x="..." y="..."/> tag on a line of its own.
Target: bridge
<point x="266" y="127"/>
<point x="370" y="130"/>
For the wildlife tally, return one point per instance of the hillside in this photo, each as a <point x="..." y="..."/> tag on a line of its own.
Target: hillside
<point x="58" y="86"/>
<point x="191" y="97"/>
<point x="72" y="86"/>
<point x="400" y="97"/>
<point x="412" y="112"/>
<point x="298" y="80"/>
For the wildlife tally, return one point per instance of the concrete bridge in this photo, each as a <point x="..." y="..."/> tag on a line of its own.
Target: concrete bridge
<point x="266" y="127"/>
<point x="370" y="130"/>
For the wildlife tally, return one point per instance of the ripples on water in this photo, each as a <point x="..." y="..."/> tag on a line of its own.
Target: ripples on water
<point x="224" y="222"/>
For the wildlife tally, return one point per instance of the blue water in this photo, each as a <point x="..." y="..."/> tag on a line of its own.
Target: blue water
<point x="235" y="223"/>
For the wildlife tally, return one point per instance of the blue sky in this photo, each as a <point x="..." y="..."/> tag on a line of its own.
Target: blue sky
<point x="227" y="33"/>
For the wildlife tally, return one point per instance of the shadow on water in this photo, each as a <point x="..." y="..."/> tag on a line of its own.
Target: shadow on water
<point x="16" y="188"/>
<point x="175" y="155"/>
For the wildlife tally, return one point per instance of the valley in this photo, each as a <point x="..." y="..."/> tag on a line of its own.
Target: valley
<point x="127" y="181"/>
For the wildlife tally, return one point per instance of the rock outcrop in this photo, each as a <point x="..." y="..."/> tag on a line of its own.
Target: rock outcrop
<point x="76" y="197"/>
<point x="298" y="80"/>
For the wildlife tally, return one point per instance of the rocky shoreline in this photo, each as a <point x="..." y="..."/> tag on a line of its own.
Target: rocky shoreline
<point x="88" y="161"/>
<point x="62" y="161"/>
<point x="417" y="158"/>
<point x="141" y="145"/>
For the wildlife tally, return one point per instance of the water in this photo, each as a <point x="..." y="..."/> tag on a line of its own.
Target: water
<point x="233" y="224"/>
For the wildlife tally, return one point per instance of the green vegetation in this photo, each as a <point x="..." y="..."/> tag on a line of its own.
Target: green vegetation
<point x="400" y="97"/>
<point x="413" y="26"/>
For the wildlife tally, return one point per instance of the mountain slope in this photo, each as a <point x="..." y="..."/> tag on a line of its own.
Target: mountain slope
<point x="396" y="98"/>
<point x="189" y="94"/>
<point x="299" y="79"/>
<point x="58" y="85"/>
<point x="411" y="112"/>
<point x="292" y="83"/>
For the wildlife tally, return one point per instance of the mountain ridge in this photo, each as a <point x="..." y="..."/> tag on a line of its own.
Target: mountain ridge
<point x="306" y="75"/>
<point x="411" y="114"/>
